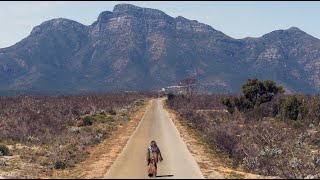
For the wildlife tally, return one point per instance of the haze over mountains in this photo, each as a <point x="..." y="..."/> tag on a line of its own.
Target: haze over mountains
<point x="134" y="48"/>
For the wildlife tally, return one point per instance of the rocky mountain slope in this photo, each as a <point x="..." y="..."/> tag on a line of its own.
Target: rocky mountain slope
<point x="134" y="48"/>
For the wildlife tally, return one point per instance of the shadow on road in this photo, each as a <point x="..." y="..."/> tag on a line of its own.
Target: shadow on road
<point x="165" y="176"/>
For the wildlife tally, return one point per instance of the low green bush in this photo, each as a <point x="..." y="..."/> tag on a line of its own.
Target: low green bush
<point x="60" y="165"/>
<point x="87" y="121"/>
<point x="112" y="112"/>
<point x="4" y="150"/>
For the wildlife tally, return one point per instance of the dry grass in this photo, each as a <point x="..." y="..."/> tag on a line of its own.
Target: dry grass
<point x="213" y="164"/>
<point x="56" y="139"/>
<point x="264" y="146"/>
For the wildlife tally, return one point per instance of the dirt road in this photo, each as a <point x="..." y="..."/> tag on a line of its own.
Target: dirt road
<point x="155" y="125"/>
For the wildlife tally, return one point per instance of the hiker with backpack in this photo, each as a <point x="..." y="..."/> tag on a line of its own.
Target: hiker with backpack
<point x="153" y="157"/>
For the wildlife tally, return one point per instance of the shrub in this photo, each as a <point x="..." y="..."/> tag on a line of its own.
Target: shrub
<point x="259" y="92"/>
<point x="243" y="104"/>
<point x="316" y="160"/>
<point x="225" y="141"/>
<point x="75" y="130"/>
<point x="311" y="126"/>
<point x="315" y="139"/>
<point x="87" y="121"/>
<point x="270" y="151"/>
<point x="112" y="112"/>
<point x="4" y="151"/>
<point x="101" y="135"/>
<point x="102" y="112"/>
<point x="253" y="115"/>
<point x="294" y="163"/>
<point x="299" y="144"/>
<point x="315" y="109"/>
<point x="250" y="163"/>
<point x="60" y="165"/>
<point x="3" y="162"/>
<point x="292" y="107"/>
<point x="139" y="103"/>
<point x="170" y="96"/>
<point x="228" y="103"/>
<point x="254" y="93"/>
<point x="32" y="139"/>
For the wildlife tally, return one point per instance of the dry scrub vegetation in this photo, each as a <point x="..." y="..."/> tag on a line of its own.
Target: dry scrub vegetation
<point x="47" y="133"/>
<point x="277" y="138"/>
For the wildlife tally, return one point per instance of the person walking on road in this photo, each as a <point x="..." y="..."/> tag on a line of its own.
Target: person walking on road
<point x="153" y="157"/>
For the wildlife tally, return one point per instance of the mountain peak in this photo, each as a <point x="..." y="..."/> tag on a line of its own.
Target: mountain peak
<point x="56" y="24"/>
<point x="129" y="9"/>
<point x="59" y="22"/>
<point x="124" y="8"/>
<point x="291" y="32"/>
<point x="104" y="16"/>
<point x="293" y="28"/>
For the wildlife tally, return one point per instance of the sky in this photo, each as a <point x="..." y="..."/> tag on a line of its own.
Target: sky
<point x="237" y="19"/>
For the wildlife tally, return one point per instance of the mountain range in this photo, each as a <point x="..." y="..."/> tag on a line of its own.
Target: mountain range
<point x="134" y="48"/>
